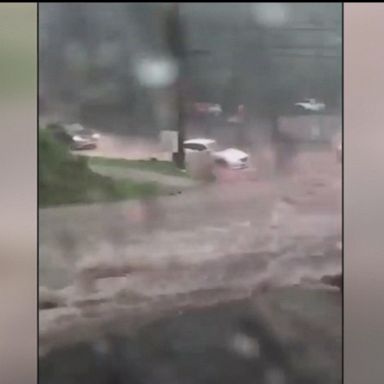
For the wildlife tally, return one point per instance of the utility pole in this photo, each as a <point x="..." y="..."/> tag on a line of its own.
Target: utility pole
<point x="175" y="39"/>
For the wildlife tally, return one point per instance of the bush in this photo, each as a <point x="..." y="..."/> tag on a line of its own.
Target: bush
<point x="67" y="179"/>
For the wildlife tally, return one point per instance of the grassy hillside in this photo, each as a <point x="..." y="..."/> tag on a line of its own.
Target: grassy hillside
<point x="67" y="179"/>
<point x="158" y="166"/>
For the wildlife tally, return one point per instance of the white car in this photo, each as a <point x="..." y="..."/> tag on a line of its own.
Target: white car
<point x="311" y="105"/>
<point x="208" y="108"/>
<point x="231" y="157"/>
<point x="75" y="136"/>
<point x="215" y="109"/>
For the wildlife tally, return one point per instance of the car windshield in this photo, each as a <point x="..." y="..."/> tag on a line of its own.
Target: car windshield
<point x="195" y="146"/>
<point x="201" y="146"/>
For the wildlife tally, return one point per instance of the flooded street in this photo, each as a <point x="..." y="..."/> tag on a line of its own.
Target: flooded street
<point x="227" y="217"/>
<point x="278" y="336"/>
<point x="228" y="269"/>
<point x="217" y="243"/>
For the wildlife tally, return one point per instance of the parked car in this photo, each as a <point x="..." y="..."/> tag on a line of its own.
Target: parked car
<point x="231" y="157"/>
<point x="75" y="136"/>
<point x="207" y="109"/>
<point x="311" y="105"/>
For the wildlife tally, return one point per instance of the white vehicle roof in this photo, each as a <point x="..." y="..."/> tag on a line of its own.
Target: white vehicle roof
<point x="232" y="153"/>
<point x="310" y="101"/>
<point x="200" y="141"/>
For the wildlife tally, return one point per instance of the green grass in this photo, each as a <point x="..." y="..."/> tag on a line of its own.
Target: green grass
<point x="66" y="179"/>
<point x="159" y="166"/>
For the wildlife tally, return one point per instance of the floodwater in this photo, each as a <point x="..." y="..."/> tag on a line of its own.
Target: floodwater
<point x="168" y="302"/>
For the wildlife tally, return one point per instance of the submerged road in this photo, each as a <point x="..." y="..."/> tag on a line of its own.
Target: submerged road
<point x="228" y="217"/>
<point x="217" y="243"/>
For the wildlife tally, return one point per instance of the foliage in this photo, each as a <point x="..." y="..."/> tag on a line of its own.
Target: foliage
<point x="67" y="179"/>
<point x="159" y="166"/>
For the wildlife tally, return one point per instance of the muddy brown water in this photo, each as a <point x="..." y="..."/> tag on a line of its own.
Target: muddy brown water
<point x="278" y="335"/>
<point x="199" y="320"/>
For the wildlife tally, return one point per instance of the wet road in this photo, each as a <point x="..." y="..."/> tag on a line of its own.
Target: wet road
<point x="219" y="243"/>
<point x="239" y="214"/>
